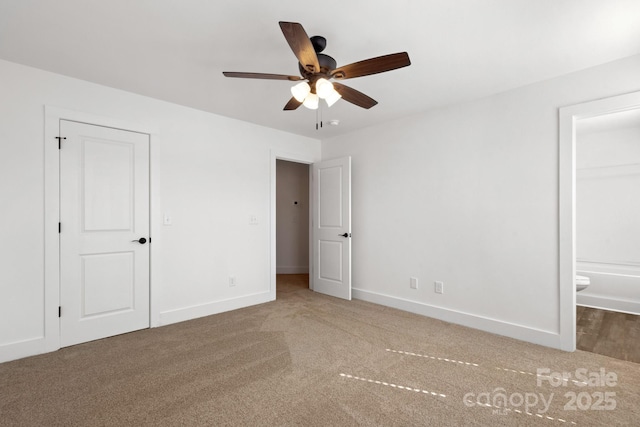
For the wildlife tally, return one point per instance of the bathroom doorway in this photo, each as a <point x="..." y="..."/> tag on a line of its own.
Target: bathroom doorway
<point x="599" y="204"/>
<point x="607" y="234"/>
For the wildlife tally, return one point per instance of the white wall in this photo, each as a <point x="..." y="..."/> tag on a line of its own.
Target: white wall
<point x="468" y="195"/>
<point x="211" y="173"/>
<point x="608" y="215"/>
<point x="292" y="225"/>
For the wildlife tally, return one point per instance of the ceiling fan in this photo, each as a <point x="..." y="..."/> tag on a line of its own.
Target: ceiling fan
<point x="317" y="69"/>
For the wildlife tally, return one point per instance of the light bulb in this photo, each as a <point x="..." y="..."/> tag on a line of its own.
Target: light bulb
<point x="300" y="91"/>
<point x="311" y="101"/>
<point x="323" y="88"/>
<point x="332" y="98"/>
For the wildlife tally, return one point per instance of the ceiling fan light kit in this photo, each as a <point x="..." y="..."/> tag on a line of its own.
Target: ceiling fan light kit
<point x="323" y="89"/>
<point x="317" y="69"/>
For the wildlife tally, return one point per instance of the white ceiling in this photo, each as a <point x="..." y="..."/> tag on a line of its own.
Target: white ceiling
<point x="176" y="50"/>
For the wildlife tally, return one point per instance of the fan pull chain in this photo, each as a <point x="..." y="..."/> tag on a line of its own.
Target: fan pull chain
<point x="319" y="122"/>
<point x="319" y="114"/>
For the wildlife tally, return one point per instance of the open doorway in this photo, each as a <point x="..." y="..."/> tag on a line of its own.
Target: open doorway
<point x="607" y="233"/>
<point x="292" y="226"/>
<point x="569" y="117"/>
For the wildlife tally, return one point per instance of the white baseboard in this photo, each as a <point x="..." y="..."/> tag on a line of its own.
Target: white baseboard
<point x="611" y="304"/>
<point x="18" y="350"/>
<point x="215" y="307"/>
<point x="292" y="270"/>
<point x="35" y="346"/>
<point x="511" y="330"/>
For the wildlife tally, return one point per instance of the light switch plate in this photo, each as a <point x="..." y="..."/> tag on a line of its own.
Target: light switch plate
<point x="438" y="287"/>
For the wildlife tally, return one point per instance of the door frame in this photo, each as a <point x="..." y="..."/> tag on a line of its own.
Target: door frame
<point x="295" y="158"/>
<point x="52" y="117"/>
<point x="567" y="117"/>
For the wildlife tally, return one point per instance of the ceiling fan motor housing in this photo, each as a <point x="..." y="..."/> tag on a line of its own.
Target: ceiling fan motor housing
<point x="319" y="43"/>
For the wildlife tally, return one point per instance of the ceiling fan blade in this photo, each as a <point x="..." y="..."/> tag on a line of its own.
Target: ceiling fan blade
<point x="261" y="76"/>
<point x="301" y="45"/>
<point x="353" y="96"/>
<point x="292" y="104"/>
<point x="372" y="66"/>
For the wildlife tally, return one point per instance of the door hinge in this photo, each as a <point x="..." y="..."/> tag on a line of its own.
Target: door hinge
<point x="59" y="227"/>
<point x="59" y="311"/>
<point x="60" y="138"/>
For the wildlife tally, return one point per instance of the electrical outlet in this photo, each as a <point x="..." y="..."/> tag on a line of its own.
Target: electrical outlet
<point x="232" y="280"/>
<point x="253" y="219"/>
<point x="439" y="287"/>
<point x="413" y="282"/>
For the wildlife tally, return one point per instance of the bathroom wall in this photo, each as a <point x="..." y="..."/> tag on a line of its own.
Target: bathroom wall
<point x="292" y="217"/>
<point x="608" y="210"/>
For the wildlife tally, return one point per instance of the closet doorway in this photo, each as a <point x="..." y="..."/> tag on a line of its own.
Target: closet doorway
<point x="292" y="225"/>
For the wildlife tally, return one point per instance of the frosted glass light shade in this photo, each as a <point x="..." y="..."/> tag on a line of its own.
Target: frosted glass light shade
<point x="311" y="101"/>
<point x="332" y="98"/>
<point x="324" y="88"/>
<point x="300" y="91"/>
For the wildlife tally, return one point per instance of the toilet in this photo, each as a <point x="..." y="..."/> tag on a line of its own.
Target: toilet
<point x="582" y="282"/>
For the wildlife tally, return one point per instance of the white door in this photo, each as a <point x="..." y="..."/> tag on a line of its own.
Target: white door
<point x="104" y="215"/>
<point x="332" y="227"/>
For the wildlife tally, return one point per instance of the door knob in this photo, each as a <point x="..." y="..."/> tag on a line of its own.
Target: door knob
<point x="344" y="235"/>
<point x="141" y="240"/>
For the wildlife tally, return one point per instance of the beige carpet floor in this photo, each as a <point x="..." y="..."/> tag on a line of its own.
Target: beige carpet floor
<point x="311" y="360"/>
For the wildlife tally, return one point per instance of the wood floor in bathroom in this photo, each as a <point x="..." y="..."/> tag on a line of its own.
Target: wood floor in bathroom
<point x="609" y="333"/>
